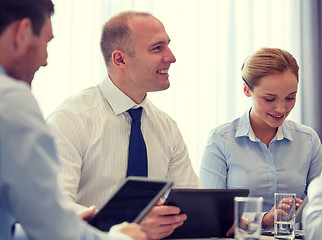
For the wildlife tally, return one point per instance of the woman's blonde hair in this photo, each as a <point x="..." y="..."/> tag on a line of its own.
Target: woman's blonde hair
<point x="267" y="61"/>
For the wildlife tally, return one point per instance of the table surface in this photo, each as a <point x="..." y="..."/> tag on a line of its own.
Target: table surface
<point x="262" y="238"/>
<point x="20" y="235"/>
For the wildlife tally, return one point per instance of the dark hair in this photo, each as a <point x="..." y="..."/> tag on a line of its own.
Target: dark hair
<point x="267" y="61"/>
<point x="116" y="34"/>
<point x="35" y="10"/>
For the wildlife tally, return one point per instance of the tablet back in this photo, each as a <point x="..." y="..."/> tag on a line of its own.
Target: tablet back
<point x="131" y="202"/>
<point x="210" y="211"/>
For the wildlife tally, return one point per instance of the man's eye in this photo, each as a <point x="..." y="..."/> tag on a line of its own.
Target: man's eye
<point x="157" y="48"/>
<point x="269" y="99"/>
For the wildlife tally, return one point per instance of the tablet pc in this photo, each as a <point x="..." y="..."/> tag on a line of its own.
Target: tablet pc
<point x="210" y="212"/>
<point x="131" y="202"/>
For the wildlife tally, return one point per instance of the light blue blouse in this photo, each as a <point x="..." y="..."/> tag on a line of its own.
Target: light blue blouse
<point x="235" y="158"/>
<point x="29" y="192"/>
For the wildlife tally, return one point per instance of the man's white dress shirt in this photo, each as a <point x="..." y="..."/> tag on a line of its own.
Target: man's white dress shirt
<point x="92" y="132"/>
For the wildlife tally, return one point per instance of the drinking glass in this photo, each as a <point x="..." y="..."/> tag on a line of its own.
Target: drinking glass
<point x="248" y="219"/>
<point x="284" y="215"/>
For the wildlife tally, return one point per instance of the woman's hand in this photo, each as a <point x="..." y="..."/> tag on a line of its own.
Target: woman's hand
<point x="268" y="218"/>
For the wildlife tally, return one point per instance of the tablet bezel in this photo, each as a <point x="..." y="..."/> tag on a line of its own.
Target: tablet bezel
<point x="95" y="220"/>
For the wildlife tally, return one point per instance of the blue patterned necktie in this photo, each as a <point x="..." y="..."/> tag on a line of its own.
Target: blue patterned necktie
<point x="138" y="160"/>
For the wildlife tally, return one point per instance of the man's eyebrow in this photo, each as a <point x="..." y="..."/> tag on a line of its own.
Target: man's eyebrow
<point x="161" y="42"/>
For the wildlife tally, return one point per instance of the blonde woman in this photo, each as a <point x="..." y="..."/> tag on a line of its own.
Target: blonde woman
<point x="261" y="150"/>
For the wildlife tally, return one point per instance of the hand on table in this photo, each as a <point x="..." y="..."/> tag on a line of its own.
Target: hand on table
<point x="268" y="218"/>
<point x="162" y="221"/>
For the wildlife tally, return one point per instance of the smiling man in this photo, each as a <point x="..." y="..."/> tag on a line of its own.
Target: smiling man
<point x="93" y="128"/>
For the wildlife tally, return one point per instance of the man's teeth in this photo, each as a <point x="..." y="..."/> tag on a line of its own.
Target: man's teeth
<point x="163" y="71"/>
<point x="277" y="116"/>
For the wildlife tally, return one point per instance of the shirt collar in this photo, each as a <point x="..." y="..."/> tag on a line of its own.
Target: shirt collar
<point x="244" y="129"/>
<point x="284" y="131"/>
<point x="2" y="71"/>
<point x="118" y="100"/>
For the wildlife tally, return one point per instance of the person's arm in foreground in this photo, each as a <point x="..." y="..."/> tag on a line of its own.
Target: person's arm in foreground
<point x="312" y="213"/>
<point x="29" y="177"/>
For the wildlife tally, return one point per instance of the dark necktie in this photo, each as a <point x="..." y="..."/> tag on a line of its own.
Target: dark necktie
<point x="138" y="160"/>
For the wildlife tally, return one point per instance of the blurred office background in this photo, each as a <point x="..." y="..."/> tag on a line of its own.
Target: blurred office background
<point x="210" y="39"/>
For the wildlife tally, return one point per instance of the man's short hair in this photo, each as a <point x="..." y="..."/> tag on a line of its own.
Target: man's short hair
<point x="116" y="34"/>
<point x="35" y="10"/>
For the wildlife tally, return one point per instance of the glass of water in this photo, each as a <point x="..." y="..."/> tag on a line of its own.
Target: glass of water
<point x="248" y="220"/>
<point x="284" y="215"/>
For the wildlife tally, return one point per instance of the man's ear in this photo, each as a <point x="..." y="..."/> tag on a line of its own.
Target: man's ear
<point x="118" y="58"/>
<point x="247" y="90"/>
<point x="23" y="35"/>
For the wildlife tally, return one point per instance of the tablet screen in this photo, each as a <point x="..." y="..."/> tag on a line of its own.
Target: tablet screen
<point x="131" y="202"/>
<point x="210" y="212"/>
